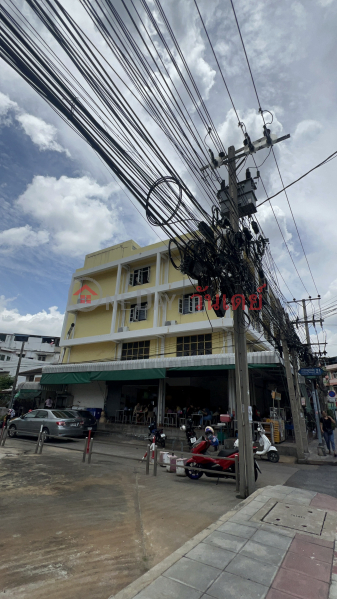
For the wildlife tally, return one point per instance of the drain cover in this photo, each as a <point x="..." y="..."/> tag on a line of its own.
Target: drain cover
<point x="298" y="517"/>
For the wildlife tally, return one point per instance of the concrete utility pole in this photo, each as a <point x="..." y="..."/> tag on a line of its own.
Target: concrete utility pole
<point x="303" y="431"/>
<point x="17" y="374"/>
<point x="247" y="474"/>
<point x="294" y="404"/>
<point x="313" y="389"/>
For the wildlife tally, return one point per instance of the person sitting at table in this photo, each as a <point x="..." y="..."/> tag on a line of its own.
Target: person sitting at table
<point x="150" y="412"/>
<point x="206" y="416"/>
<point x="137" y="411"/>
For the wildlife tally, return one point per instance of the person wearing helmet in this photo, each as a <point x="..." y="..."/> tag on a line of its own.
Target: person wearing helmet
<point x="210" y="435"/>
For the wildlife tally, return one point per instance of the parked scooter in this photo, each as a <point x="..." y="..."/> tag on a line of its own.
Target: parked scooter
<point x="190" y="432"/>
<point x="217" y="466"/>
<point x="158" y="433"/>
<point x="268" y="449"/>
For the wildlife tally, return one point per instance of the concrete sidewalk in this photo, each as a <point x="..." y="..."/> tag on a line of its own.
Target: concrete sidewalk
<point x="279" y="544"/>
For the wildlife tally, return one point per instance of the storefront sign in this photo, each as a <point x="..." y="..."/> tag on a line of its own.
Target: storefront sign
<point x="311" y="372"/>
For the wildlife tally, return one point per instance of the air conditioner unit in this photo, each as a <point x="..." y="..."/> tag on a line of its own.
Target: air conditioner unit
<point x="123" y="329"/>
<point x="170" y="323"/>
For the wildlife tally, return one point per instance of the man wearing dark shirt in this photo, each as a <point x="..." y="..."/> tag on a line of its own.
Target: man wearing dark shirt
<point x="327" y="431"/>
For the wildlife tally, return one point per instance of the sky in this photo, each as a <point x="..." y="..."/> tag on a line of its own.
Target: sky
<point x="58" y="201"/>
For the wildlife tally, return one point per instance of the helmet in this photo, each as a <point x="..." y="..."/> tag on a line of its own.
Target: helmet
<point x="236" y="444"/>
<point x="183" y="428"/>
<point x="209" y="430"/>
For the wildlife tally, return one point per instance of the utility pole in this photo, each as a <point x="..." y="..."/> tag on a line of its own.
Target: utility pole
<point x="247" y="474"/>
<point x="17" y="374"/>
<point x="293" y="401"/>
<point x="313" y="389"/>
<point x="303" y="431"/>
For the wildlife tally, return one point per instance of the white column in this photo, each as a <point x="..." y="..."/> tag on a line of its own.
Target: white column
<point x="156" y="295"/>
<point x="115" y="308"/>
<point x="231" y="391"/>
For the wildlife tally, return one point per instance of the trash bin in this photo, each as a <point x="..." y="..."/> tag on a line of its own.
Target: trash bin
<point x="96" y="412"/>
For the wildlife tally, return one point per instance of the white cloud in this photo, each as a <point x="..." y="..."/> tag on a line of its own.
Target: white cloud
<point x="307" y="130"/>
<point x="41" y="133"/>
<point x="41" y="323"/>
<point x="77" y="212"/>
<point x="23" y="236"/>
<point x="325" y="2"/>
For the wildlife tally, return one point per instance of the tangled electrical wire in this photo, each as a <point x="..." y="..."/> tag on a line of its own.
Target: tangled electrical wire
<point x="100" y="104"/>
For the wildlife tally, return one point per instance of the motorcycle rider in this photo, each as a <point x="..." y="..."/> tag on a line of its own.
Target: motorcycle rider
<point x="210" y="435"/>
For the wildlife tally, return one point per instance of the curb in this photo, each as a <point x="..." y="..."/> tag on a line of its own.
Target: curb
<point x="143" y="581"/>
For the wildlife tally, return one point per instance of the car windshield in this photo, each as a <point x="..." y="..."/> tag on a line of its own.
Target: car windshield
<point x="61" y="414"/>
<point x="70" y="413"/>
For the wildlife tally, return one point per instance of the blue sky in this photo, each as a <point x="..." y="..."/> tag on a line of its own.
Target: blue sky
<point x="59" y="202"/>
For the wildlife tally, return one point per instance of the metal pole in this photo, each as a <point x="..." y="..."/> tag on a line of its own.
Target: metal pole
<point x="155" y="461"/>
<point x="303" y="429"/>
<point x="237" y="473"/>
<point x="247" y="478"/>
<point x="90" y="450"/>
<point x="4" y="437"/>
<point x="317" y="417"/>
<point x="147" y="467"/>
<point x="43" y="438"/>
<point x="85" y="449"/>
<point x="17" y="374"/>
<point x="38" y="439"/>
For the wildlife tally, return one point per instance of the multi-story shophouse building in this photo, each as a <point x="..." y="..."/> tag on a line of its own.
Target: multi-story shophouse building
<point x="132" y="331"/>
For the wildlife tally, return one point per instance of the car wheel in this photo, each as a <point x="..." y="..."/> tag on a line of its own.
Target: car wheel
<point x="12" y="431"/>
<point x="273" y="456"/>
<point x="45" y="431"/>
<point x="193" y="474"/>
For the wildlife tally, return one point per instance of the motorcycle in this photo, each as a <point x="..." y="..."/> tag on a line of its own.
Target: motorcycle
<point x="218" y="466"/>
<point x="190" y="432"/>
<point x="158" y="433"/>
<point x="268" y="449"/>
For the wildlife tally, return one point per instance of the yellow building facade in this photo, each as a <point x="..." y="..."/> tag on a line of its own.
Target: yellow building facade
<point x="129" y="311"/>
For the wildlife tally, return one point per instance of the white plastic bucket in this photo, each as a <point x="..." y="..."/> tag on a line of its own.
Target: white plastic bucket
<point x="180" y="463"/>
<point x="163" y="458"/>
<point x="171" y="466"/>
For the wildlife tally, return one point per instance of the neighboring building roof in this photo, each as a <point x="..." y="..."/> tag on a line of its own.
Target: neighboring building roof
<point x="32" y="371"/>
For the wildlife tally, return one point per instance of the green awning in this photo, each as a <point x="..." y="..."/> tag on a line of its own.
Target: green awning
<point x="27" y="393"/>
<point x="71" y="378"/>
<point x="210" y="367"/>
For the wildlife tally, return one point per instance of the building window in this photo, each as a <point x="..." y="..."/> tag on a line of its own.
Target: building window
<point x="136" y="350"/>
<point x="21" y="338"/>
<point x="2" y="337"/>
<point x="140" y="276"/>
<point x="42" y="358"/>
<point x="2" y="357"/>
<point x="189" y="304"/>
<point x="31" y="378"/>
<point x="138" y="312"/>
<point x="195" y="345"/>
<point x="8" y="358"/>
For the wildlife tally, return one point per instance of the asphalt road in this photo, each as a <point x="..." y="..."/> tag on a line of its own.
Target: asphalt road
<point x="75" y="530"/>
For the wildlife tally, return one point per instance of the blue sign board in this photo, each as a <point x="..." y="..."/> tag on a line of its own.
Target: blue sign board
<point x="332" y="394"/>
<point x="311" y="372"/>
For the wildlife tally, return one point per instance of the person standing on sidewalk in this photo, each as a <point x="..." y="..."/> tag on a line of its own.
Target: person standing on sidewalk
<point x="327" y="428"/>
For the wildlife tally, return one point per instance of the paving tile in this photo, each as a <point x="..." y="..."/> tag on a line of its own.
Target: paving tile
<point x="303" y="493"/>
<point x="271" y="538"/>
<point x="242" y="518"/>
<point x="315" y="540"/>
<point x="194" y="574"/>
<point x="309" y="566"/>
<point x="265" y="553"/>
<point x="233" y="528"/>
<point x="225" y="541"/>
<point x="297" y="500"/>
<point x="229" y="586"/>
<point x="252" y="569"/>
<point x="333" y="590"/>
<point x="211" y="555"/>
<point x="285" y="532"/>
<point x="307" y="549"/>
<point x="300" y="585"/>
<point x="275" y="594"/>
<point x="324" y="502"/>
<point x="165" y="588"/>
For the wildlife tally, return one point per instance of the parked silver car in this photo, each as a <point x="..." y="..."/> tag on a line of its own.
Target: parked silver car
<point x="55" y="422"/>
<point x="89" y="421"/>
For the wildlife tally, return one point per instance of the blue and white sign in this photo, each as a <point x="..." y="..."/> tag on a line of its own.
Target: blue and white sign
<point x="332" y="394"/>
<point x="311" y="372"/>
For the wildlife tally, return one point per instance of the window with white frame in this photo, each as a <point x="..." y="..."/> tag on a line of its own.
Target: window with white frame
<point x="41" y="358"/>
<point x="138" y="312"/>
<point x="140" y="276"/>
<point x="194" y="345"/>
<point x="2" y="357"/>
<point x="190" y="305"/>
